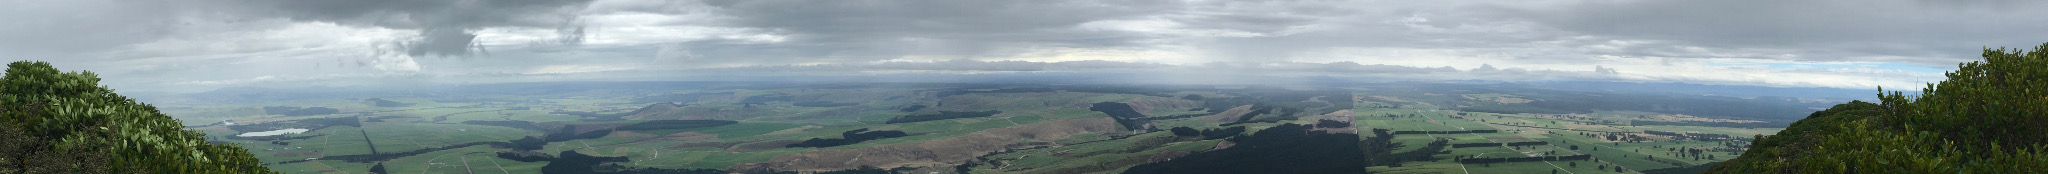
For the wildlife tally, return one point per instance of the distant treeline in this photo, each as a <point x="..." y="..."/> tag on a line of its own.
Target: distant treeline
<point x="1209" y="134"/>
<point x="1563" y="102"/>
<point x="1286" y="148"/>
<point x="822" y="104"/>
<point x="1445" y="132"/>
<point x="298" y="111"/>
<point x="526" y="156"/>
<point x="572" y="162"/>
<point x="568" y="132"/>
<point x="675" y="124"/>
<point x="528" y="143"/>
<point x="364" y="158"/>
<point x="912" y="108"/>
<point x="941" y="116"/>
<point x="1712" y="124"/>
<point x="308" y="124"/>
<point x="384" y="103"/>
<point x="1331" y="124"/>
<point x="1122" y="113"/>
<point x="1524" y="159"/>
<point x="849" y="137"/>
<point x="1379" y="150"/>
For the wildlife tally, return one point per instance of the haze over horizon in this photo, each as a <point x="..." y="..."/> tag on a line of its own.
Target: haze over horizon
<point x="199" y="45"/>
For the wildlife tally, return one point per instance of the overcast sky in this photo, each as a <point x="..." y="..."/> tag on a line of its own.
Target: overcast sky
<point x="198" y="45"/>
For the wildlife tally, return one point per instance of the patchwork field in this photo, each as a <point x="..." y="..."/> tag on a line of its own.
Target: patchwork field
<point x="958" y="128"/>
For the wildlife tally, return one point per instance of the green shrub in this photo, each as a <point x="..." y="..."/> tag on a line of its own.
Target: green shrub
<point x="57" y="122"/>
<point x="1990" y="116"/>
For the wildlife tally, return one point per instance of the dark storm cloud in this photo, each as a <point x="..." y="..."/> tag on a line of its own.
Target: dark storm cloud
<point x="446" y="27"/>
<point x="1816" y="30"/>
<point x="868" y="30"/>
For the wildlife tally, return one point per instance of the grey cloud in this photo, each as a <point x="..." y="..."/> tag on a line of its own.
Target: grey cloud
<point x="1821" y="30"/>
<point x="874" y="30"/>
<point x="47" y="30"/>
<point x="955" y="65"/>
<point x="446" y="27"/>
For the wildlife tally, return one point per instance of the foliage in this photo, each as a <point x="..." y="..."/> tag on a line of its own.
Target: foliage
<point x="572" y="162"/>
<point x="1988" y="117"/>
<point x="1286" y="148"/>
<point x="379" y="168"/>
<point x="57" y="122"/>
<point x="1185" y="131"/>
<point x="528" y="143"/>
<point x="568" y="132"/>
<point x="526" y="156"/>
<point x="1211" y="134"/>
<point x="1379" y="150"/>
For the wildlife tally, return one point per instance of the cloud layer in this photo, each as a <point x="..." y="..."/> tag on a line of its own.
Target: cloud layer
<point x="205" y="44"/>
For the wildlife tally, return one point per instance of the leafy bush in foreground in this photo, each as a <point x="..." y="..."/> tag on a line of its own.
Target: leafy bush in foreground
<point x="1988" y="117"/>
<point x="56" y="122"/>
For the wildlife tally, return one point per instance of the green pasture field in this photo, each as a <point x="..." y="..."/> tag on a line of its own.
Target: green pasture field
<point x="401" y="137"/>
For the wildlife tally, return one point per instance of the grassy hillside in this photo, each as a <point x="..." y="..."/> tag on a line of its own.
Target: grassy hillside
<point x="57" y="122"/>
<point x="1990" y="116"/>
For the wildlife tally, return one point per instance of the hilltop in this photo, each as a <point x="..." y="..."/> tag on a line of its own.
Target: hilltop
<point x="57" y="122"/>
<point x="1989" y="116"/>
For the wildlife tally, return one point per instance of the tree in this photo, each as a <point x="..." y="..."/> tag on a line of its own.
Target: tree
<point x="1185" y="131"/>
<point x="1995" y="110"/>
<point x="1575" y="164"/>
<point x="379" y="168"/>
<point x="77" y="126"/>
<point x="1575" y="147"/>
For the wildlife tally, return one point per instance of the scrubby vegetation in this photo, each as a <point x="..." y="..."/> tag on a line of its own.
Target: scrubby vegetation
<point x="57" y="122"/>
<point x="1987" y="117"/>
